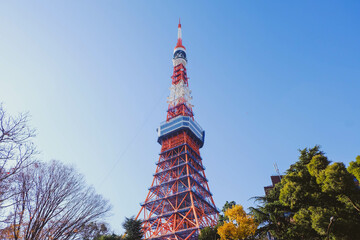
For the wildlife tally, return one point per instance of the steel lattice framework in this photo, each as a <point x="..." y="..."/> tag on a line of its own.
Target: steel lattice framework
<point x="179" y="202"/>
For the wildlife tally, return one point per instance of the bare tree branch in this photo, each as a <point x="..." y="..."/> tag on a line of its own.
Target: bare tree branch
<point x="54" y="203"/>
<point x="17" y="151"/>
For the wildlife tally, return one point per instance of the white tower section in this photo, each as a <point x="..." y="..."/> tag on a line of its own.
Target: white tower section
<point x="180" y="93"/>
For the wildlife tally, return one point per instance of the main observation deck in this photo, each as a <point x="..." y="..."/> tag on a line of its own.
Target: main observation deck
<point x="178" y="123"/>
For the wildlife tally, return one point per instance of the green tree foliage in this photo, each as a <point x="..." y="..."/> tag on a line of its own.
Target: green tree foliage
<point x="273" y="216"/>
<point x="109" y="237"/>
<point x="354" y="168"/>
<point x="209" y="233"/>
<point x="133" y="229"/>
<point x="312" y="191"/>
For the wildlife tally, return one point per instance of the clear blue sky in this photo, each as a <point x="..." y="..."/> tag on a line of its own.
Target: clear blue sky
<point x="268" y="78"/>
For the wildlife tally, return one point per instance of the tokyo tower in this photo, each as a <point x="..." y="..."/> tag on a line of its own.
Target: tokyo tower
<point x="179" y="202"/>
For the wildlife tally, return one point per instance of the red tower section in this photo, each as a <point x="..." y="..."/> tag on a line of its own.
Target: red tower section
<point x="179" y="202"/>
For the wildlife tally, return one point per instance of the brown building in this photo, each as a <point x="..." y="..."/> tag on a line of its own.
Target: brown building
<point x="274" y="179"/>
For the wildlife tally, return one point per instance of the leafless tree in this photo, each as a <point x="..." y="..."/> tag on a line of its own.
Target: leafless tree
<point x="54" y="203"/>
<point x="17" y="151"/>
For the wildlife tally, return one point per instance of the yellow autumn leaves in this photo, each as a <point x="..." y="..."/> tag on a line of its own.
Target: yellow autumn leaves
<point x="238" y="226"/>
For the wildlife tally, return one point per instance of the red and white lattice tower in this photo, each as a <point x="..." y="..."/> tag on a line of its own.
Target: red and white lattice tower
<point x="179" y="202"/>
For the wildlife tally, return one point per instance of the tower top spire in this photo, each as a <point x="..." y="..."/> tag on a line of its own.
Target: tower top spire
<point x="179" y="40"/>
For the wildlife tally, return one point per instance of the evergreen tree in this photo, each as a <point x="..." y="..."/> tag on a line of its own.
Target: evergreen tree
<point x="133" y="229"/>
<point x="209" y="233"/>
<point x="109" y="237"/>
<point x="312" y="192"/>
